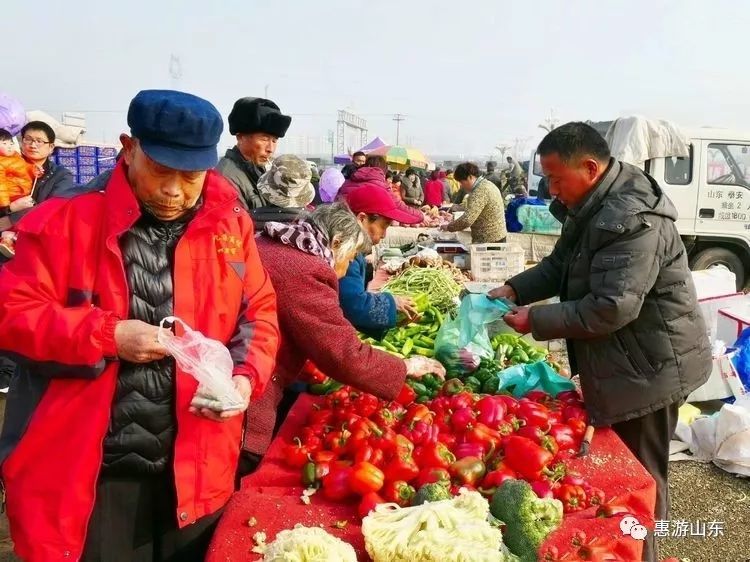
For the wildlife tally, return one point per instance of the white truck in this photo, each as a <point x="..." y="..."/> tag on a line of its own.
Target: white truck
<point x="711" y="190"/>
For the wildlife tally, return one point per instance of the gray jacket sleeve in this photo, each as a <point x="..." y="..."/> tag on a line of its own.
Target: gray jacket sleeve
<point x="622" y="273"/>
<point x="248" y="196"/>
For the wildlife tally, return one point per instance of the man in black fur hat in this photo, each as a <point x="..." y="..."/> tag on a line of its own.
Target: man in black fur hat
<point x="258" y="124"/>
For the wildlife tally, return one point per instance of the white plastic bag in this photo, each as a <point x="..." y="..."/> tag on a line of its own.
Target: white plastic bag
<point x="208" y="361"/>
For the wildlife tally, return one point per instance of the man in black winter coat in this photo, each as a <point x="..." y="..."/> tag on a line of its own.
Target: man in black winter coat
<point x="628" y="309"/>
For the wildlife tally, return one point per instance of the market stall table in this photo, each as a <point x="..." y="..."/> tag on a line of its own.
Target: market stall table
<point x="272" y="496"/>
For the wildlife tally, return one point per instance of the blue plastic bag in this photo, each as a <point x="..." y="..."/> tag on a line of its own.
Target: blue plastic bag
<point x="521" y="379"/>
<point x="741" y="359"/>
<point x="463" y="342"/>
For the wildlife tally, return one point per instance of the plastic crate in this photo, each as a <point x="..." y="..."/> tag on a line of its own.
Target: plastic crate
<point x="72" y="168"/>
<point x="106" y="164"/>
<point x="87" y="160"/>
<point x="66" y="152"/>
<point x="86" y="151"/>
<point x="69" y="162"/>
<point x="87" y="170"/>
<point x="496" y="262"/>
<point x="106" y="152"/>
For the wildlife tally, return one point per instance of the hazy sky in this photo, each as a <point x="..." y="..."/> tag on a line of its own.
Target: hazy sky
<point x="467" y="74"/>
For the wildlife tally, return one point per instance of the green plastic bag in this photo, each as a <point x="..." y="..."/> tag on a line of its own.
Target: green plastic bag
<point x="520" y="379"/>
<point x="463" y="341"/>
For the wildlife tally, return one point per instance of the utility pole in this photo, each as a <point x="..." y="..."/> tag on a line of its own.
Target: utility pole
<point x="398" y="118"/>
<point x="265" y="95"/>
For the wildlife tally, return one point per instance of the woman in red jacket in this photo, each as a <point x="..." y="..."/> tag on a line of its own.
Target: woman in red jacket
<point x="305" y="261"/>
<point x="434" y="191"/>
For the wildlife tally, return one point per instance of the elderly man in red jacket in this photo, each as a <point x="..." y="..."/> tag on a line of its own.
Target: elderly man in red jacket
<point x="104" y="458"/>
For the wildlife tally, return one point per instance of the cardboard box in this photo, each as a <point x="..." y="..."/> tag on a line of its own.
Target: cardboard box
<point x="723" y="382"/>
<point x="710" y="308"/>
<point x="732" y="321"/>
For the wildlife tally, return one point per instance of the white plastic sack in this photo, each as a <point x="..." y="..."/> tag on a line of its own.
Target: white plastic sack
<point x="208" y="361"/>
<point x="724" y="438"/>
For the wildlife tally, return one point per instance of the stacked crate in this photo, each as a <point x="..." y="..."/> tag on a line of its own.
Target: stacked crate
<point x="86" y="162"/>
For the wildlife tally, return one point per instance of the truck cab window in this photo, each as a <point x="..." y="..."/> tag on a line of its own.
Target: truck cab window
<point x="728" y="164"/>
<point x="678" y="170"/>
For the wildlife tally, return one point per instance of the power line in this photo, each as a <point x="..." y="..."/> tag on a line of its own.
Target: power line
<point x="398" y="118"/>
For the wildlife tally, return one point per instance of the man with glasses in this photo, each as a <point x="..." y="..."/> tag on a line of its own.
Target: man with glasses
<point x="37" y="145"/>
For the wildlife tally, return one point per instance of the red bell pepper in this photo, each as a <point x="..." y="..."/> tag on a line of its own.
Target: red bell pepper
<point x="336" y="441"/>
<point x="594" y="496"/>
<point x="323" y="456"/>
<point x="511" y="404"/>
<point x="336" y="484"/>
<point x="493" y="480"/>
<point x="463" y="450"/>
<point x="434" y="455"/>
<point x="532" y="432"/>
<point x="578" y="426"/>
<point x="368" y="503"/>
<point x="525" y="457"/>
<point x="612" y="509"/>
<point x="440" y="404"/>
<point x="406" y="396"/>
<point x="365" y="404"/>
<point x="462" y="418"/>
<point x="433" y="476"/>
<point x="399" y="492"/>
<point x="417" y="412"/>
<point x="296" y="454"/>
<point x="318" y="416"/>
<point x="462" y="400"/>
<point x="564" y="437"/>
<point x="488" y="438"/>
<point x="368" y="453"/>
<point x="572" y="497"/>
<point x="385" y="442"/>
<point x="533" y="414"/>
<point x="403" y="445"/>
<point x="568" y="396"/>
<point x="571" y="412"/>
<point x="539" y="396"/>
<point x="447" y="439"/>
<point x="420" y="433"/>
<point x="365" y="478"/>
<point x="490" y="411"/>
<point x="385" y="418"/>
<point x="339" y="399"/>
<point x="401" y="468"/>
<point x="468" y="470"/>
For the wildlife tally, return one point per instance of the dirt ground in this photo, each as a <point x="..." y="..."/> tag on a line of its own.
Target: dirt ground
<point x="699" y="492"/>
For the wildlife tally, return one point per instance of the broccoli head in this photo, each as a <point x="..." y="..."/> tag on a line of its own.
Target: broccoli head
<point x="528" y="519"/>
<point x="431" y="493"/>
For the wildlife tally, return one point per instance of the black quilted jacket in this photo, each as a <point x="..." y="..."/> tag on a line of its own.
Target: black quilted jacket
<point x="142" y="430"/>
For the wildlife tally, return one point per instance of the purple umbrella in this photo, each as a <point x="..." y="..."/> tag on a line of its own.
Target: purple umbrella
<point x="330" y="183"/>
<point x="12" y="114"/>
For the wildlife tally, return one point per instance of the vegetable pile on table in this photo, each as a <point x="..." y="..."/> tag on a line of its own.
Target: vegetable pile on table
<point x="415" y="338"/>
<point x="356" y="447"/>
<point x="438" y="284"/>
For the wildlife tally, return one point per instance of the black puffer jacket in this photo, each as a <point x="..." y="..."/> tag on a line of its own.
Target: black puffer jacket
<point x="629" y="309"/>
<point x="142" y="430"/>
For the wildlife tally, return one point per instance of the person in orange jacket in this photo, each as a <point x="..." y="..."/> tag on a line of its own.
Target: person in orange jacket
<point x="16" y="181"/>
<point x="107" y="446"/>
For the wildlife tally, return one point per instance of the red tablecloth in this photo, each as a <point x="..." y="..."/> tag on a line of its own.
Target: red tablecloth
<point x="272" y="496"/>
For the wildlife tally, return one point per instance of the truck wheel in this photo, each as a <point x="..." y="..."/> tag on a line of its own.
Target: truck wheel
<point x="720" y="256"/>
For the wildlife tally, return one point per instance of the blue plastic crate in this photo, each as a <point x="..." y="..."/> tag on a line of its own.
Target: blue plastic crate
<point x="87" y="160"/>
<point x="107" y="164"/>
<point x="66" y="152"/>
<point x="106" y="152"/>
<point x="73" y="168"/>
<point x="67" y="161"/>
<point x="86" y="151"/>
<point x="87" y="170"/>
